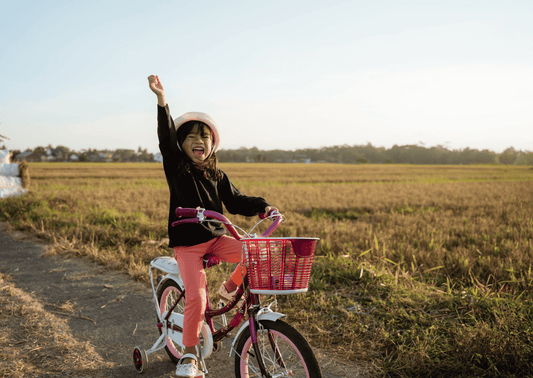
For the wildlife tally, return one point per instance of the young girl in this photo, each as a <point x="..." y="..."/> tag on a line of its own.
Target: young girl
<point x="188" y="146"/>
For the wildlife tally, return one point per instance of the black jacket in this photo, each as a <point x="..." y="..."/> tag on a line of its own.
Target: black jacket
<point x="194" y="189"/>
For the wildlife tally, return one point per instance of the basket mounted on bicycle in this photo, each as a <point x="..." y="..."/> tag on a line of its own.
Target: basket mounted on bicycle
<point x="279" y="265"/>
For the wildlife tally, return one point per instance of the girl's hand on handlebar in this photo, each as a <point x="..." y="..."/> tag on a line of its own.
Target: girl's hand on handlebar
<point x="268" y="210"/>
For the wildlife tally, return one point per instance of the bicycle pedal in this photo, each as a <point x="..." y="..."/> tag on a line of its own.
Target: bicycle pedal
<point x="217" y="347"/>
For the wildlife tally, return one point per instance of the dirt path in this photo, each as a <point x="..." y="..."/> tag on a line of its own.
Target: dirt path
<point x="104" y="309"/>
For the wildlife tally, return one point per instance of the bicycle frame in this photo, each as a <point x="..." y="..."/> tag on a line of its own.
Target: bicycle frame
<point x="251" y="307"/>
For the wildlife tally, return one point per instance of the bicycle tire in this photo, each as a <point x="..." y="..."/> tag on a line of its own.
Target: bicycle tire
<point x="296" y="353"/>
<point x="166" y="296"/>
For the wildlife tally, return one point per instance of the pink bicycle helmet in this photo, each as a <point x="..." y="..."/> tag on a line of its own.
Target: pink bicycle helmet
<point x="201" y="117"/>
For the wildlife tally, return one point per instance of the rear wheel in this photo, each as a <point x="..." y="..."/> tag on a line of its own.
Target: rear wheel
<point x="168" y="294"/>
<point x="285" y="353"/>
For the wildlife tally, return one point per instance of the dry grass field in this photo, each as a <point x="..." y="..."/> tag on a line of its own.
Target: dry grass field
<point x="420" y="270"/>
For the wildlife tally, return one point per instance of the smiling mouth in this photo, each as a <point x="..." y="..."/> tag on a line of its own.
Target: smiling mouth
<point x="198" y="151"/>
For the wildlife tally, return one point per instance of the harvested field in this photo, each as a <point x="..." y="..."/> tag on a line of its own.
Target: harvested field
<point x="421" y="270"/>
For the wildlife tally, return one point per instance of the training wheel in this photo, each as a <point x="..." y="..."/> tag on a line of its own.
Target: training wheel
<point x="140" y="360"/>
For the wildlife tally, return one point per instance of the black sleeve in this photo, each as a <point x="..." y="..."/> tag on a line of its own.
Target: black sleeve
<point x="238" y="203"/>
<point x="168" y="142"/>
<point x="166" y="132"/>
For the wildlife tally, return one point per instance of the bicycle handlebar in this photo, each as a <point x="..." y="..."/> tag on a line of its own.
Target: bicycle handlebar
<point x="186" y="212"/>
<point x="199" y="215"/>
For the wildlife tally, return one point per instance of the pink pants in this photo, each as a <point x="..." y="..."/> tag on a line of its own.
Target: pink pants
<point x="190" y="262"/>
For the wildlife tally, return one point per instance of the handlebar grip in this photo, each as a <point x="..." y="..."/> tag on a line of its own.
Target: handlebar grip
<point x="186" y="212"/>
<point x="188" y="220"/>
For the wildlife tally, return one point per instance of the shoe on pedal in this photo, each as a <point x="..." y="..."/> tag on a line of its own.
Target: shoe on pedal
<point x="189" y="370"/>
<point x="224" y="294"/>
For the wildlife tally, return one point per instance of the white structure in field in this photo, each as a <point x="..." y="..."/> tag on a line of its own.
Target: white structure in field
<point x="10" y="182"/>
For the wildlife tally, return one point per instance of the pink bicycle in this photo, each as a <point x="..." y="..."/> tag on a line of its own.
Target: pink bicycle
<point x="264" y="346"/>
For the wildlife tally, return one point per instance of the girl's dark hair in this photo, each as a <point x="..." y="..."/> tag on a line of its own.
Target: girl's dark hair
<point x="210" y="166"/>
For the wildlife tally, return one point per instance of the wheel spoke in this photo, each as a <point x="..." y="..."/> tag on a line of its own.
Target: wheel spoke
<point x="284" y="351"/>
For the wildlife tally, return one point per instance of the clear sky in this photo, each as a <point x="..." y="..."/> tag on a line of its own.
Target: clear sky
<point x="273" y="74"/>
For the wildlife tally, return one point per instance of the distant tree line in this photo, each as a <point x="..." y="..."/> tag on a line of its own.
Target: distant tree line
<point x="360" y="154"/>
<point x="345" y="154"/>
<point x="65" y="154"/>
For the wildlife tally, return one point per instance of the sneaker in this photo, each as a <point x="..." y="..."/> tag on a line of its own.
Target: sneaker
<point x="189" y="370"/>
<point x="224" y="294"/>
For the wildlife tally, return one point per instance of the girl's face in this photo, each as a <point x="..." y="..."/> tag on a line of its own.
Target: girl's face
<point x="198" y="144"/>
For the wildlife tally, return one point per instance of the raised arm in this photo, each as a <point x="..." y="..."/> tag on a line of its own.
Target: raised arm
<point x="165" y="125"/>
<point x="157" y="88"/>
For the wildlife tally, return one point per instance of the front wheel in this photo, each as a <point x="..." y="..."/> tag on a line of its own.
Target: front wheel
<point x="285" y="353"/>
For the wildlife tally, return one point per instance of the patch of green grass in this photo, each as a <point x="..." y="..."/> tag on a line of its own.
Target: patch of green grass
<point x="101" y="225"/>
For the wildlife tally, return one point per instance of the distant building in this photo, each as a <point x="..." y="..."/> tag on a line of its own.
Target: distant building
<point x="23" y="156"/>
<point x="31" y="157"/>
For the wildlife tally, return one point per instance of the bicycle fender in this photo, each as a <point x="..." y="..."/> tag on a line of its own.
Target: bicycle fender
<point x="172" y="276"/>
<point x="166" y="264"/>
<point x="272" y="316"/>
<point x="177" y="337"/>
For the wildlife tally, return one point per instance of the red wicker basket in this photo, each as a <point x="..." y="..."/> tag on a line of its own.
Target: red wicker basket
<point x="279" y="265"/>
